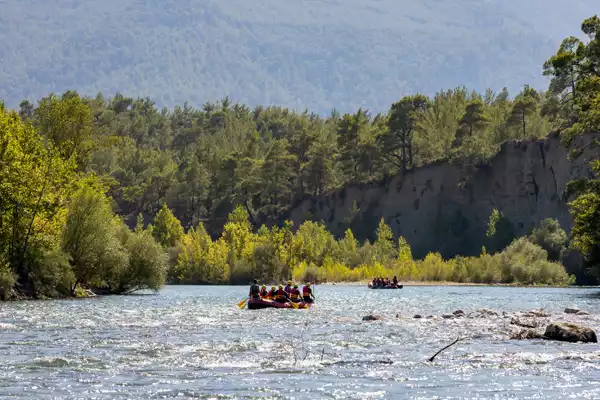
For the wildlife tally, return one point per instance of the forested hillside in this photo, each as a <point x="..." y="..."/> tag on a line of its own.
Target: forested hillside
<point x="319" y="55"/>
<point x="195" y="186"/>
<point x="202" y="162"/>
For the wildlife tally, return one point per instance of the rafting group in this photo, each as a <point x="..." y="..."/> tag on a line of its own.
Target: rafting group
<point x="385" y="283"/>
<point x="289" y="296"/>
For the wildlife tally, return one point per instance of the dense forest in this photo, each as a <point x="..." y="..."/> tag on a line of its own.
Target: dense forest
<point x="193" y="185"/>
<point x="274" y="52"/>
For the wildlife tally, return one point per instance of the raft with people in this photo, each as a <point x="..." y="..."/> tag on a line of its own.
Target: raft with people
<point x="254" y="304"/>
<point x="288" y="297"/>
<point x="385" y="287"/>
<point x="385" y="283"/>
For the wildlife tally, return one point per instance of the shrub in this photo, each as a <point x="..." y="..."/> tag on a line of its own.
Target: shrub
<point x="551" y="237"/>
<point x="7" y="280"/>
<point x="147" y="266"/>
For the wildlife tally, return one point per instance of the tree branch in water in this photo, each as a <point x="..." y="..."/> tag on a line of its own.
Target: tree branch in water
<point x="451" y="344"/>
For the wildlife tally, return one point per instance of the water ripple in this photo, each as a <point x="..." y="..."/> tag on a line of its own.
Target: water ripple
<point x="193" y="342"/>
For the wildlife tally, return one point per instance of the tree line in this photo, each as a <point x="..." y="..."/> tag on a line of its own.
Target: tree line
<point x="203" y="162"/>
<point x="311" y="253"/>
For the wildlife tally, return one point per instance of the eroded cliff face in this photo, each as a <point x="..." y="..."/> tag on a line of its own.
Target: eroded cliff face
<point x="446" y="208"/>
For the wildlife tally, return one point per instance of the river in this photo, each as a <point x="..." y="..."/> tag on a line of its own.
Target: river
<point x="193" y="342"/>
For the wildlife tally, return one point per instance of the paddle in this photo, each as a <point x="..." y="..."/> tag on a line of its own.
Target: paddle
<point x="242" y="303"/>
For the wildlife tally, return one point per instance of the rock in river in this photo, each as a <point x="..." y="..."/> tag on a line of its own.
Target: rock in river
<point x="570" y="333"/>
<point x="372" y="318"/>
<point x="572" y="310"/>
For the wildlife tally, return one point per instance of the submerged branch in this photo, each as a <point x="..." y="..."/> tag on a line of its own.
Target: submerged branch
<point x="451" y="344"/>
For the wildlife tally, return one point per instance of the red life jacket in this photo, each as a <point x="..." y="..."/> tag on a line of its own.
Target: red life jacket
<point x="294" y="293"/>
<point x="306" y="291"/>
<point x="281" y="294"/>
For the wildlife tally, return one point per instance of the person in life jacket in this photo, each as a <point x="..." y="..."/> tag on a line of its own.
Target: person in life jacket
<point x="254" y="290"/>
<point x="307" y="294"/>
<point x="272" y="293"/>
<point x="288" y="287"/>
<point x="281" y="295"/>
<point x="263" y="291"/>
<point x="295" y="293"/>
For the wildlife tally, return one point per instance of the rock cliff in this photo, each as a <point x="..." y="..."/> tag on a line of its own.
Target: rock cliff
<point x="446" y="208"/>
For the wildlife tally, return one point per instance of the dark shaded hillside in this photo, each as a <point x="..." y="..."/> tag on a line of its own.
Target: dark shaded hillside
<point x="314" y="54"/>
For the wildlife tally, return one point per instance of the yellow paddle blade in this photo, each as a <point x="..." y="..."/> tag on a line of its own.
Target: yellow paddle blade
<point x="242" y="303"/>
<point x="295" y="305"/>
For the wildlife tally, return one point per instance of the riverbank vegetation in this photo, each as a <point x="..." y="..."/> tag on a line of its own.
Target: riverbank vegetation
<point x="57" y="228"/>
<point x="110" y="193"/>
<point x="311" y="253"/>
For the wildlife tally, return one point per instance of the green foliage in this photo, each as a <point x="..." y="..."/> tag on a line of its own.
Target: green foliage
<point x="90" y="239"/>
<point x="526" y="262"/>
<point x="551" y="237"/>
<point x="397" y="142"/>
<point x="147" y="266"/>
<point x="167" y="228"/>
<point x="7" y="281"/>
<point x="384" y="247"/>
<point x="576" y="109"/>
<point x="57" y="228"/>
<point x="585" y="234"/>
<point x="495" y="217"/>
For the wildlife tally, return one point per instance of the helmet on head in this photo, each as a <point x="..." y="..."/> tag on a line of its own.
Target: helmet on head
<point x="296" y="285"/>
<point x="264" y="286"/>
<point x="289" y="282"/>
<point x="280" y="286"/>
<point x="273" y="287"/>
<point x="308" y="284"/>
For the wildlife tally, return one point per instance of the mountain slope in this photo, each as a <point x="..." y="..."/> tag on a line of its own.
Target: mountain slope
<point x="318" y="54"/>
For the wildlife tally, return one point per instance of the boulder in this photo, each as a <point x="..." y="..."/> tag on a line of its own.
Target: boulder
<point x="538" y="313"/>
<point x="447" y="316"/>
<point x="418" y="316"/>
<point x="582" y="313"/>
<point x="572" y="310"/>
<point x="459" y="313"/>
<point x="372" y="318"/>
<point x="486" y="312"/>
<point x="570" y="333"/>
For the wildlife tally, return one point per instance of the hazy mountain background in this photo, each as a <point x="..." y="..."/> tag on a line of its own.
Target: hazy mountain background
<point x="317" y="54"/>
